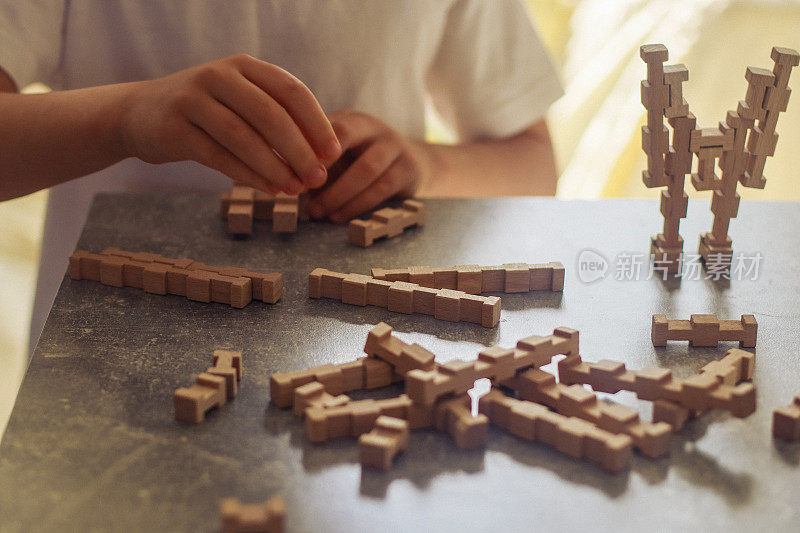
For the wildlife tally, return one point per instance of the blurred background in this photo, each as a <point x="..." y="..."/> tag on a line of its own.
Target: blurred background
<point x="595" y="126"/>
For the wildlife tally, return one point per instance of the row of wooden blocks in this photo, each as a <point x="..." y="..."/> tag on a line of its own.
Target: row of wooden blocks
<point x="402" y="297"/>
<point x="213" y="387"/>
<point x="241" y="205"/>
<point x="705" y="330"/>
<point x="156" y="274"/>
<point x="475" y="279"/>
<point x="387" y="222"/>
<point x="266" y="517"/>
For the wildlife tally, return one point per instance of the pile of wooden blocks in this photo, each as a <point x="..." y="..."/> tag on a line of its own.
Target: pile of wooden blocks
<point x="213" y="387"/>
<point x="241" y="205"/>
<point x="156" y="274"/>
<point x="740" y="144"/>
<point x="705" y="330"/>
<point x="564" y="415"/>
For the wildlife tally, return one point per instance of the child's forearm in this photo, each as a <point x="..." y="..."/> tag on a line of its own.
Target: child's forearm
<point x="51" y="138"/>
<point x="516" y="166"/>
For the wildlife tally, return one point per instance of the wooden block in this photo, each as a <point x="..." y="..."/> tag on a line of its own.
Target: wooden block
<point x="377" y="448"/>
<point x="401" y="297"/>
<point x="705" y="330"/>
<point x="448" y="305"/>
<point x="541" y="277"/>
<point x="354" y="289"/>
<point x="445" y="278"/>
<point x="111" y="270"/>
<point x="154" y="278"/>
<point x="332" y="284"/>
<point x="176" y="281"/>
<point x="267" y="517"/>
<point x="558" y="277"/>
<point x="786" y="421"/>
<point x="378" y="292"/>
<point x="192" y="403"/>
<point x="494" y="279"/>
<point x="284" y="217"/>
<point x="422" y="276"/>
<point x="469" y="279"/>
<point x="198" y="285"/>
<point x="84" y="265"/>
<point x="425" y="300"/>
<point x="240" y="219"/>
<point x="518" y="277"/>
<point x="271" y="288"/>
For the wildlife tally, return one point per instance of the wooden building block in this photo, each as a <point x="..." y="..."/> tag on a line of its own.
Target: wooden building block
<point x="571" y="436"/>
<point x="455" y="417"/>
<point x="401" y="356"/>
<point x="267" y="517"/>
<point x="192" y="403"/>
<point x="227" y="364"/>
<point x="387" y="222"/>
<point x="378" y="448"/>
<point x="111" y="270"/>
<point x="285" y="213"/>
<point x="705" y="330"/>
<point x="240" y="219"/>
<point x="786" y="421"/>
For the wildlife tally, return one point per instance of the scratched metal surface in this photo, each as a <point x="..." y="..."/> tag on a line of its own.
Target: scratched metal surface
<point x="92" y="444"/>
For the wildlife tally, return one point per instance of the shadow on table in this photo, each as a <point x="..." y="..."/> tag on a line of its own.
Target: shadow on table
<point x="415" y="323"/>
<point x="697" y="467"/>
<point x="789" y="452"/>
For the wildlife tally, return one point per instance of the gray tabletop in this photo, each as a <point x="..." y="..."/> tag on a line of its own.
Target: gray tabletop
<point x="92" y="443"/>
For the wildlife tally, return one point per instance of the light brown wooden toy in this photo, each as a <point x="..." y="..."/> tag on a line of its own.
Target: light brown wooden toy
<point x="475" y="279"/>
<point x="156" y="274"/>
<point x="227" y="364"/>
<point x="242" y="204"/>
<point x="403" y="357"/>
<point x="363" y="373"/>
<point x="402" y="297"/>
<point x="387" y="222"/>
<point x="495" y="363"/>
<point x="192" y="403"/>
<point x="705" y="330"/>
<point x="700" y="392"/>
<point x="313" y="394"/>
<point x="571" y="436"/>
<point x="267" y="517"/>
<point x="786" y="421"/>
<point x="378" y="448"/>
<point x="536" y="385"/>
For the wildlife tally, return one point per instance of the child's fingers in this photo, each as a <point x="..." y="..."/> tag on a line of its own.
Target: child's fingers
<point x="208" y="152"/>
<point x="354" y="129"/>
<point x="298" y="101"/>
<point x="239" y="138"/>
<point x="387" y="185"/>
<point x="369" y="166"/>
<point x="274" y="124"/>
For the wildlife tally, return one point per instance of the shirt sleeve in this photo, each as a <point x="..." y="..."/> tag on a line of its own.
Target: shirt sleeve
<point x="30" y="40"/>
<point x="492" y="77"/>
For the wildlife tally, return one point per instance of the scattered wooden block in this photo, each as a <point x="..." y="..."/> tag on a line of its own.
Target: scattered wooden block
<point x="192" y="403"/>
<point x="267" y="517"/>
<point x="228" y="365"/>
<point x="786" y="421"/>
<point x="387" y="222"/>
<point x="378" y="448"/>
<point x="705" y="330"/>
<point x="241" y="205"/>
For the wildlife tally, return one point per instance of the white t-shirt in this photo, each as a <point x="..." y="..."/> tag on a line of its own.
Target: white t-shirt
<point x="480" y="63"/>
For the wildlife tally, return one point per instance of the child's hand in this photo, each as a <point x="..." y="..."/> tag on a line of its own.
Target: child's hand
<point x="385" y="164"/>
<point x="234" y="115"/>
